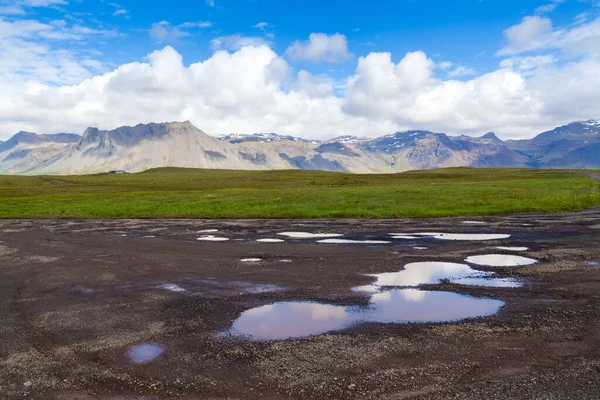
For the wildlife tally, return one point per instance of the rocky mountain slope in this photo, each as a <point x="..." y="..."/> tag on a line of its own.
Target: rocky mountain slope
<point x="181" y="144"/>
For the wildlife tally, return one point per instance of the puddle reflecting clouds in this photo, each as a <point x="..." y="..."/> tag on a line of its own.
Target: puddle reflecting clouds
<point x="512" y="248"/>
<point x="212" y="238"/>
<point x="171" y="287"/>
<point x="145" y="353"/>
<point x="422" y="273"/>
<point x="306" y="235"/>
<point x="500" y="260"/>
<point x="455" y="236"/>
<point x="286" y="320"/>
<point x="349" y="241"/>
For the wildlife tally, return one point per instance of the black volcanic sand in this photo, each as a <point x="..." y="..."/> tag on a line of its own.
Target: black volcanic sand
<point x="76" y="296"/>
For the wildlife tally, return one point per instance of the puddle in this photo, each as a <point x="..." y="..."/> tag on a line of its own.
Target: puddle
<point x="171" y="287"/>
<point x="420" y="248"/>
<point x="286" y="320"/>
<point x="122" y="235"/>
<point x="208" y="231"/>
<point x="144" y="353"/>
<point x="211" y="238"/>
<point x="500" y="260"/>
<point x="348" y="241"/>
<point x="285" y="261"/>
<point x="306" y="235"/>
<point x="251" y="260"/>
<point x="148" y="236"/>
<point x="474" y="222"/>
<point x="456" y="236"/>
<point x="406" y="237"/>
<point x="594" y="264"/>
<point x="421" y="273"/>
<point x="268" y="240"/>
<point x="513" y="248"/>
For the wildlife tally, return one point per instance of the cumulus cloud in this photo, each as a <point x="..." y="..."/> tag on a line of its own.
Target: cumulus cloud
<point x="245" y="86"/>
<point x="245" y="91"/>
<point x="320" y="47"/>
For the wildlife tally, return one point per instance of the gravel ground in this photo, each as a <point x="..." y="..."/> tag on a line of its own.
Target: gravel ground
<point x="77" y="295"/>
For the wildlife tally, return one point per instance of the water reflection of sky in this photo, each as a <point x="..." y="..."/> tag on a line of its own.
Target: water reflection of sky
<point x="285" y="320"/>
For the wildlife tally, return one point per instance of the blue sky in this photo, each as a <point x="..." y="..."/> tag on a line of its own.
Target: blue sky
<point x="327" y="55"/>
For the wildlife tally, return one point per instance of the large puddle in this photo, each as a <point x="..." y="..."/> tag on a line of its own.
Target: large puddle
<point x="422" y="273"/>
<point x="285" y="320"/>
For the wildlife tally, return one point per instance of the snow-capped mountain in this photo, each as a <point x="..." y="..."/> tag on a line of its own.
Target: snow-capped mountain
<point x="181" y="144"/>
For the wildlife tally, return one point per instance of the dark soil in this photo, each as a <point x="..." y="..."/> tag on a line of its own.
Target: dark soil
<point x="76" y="295"/>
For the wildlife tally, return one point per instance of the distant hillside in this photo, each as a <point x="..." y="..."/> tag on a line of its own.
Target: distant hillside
<point x="181" y="144"/>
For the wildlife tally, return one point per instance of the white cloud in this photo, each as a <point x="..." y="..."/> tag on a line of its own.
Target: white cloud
<point x="246" y="87"/>
<point x="261" y="25"/>
<point x="320" y="86"/>
<point x="120" y="11"/>
<point x="320" y="47"/>
<point x="164" y="32"/>
<point x="548" y="8"/>
<point x="236" y="42"/>
<point x="532" y="33"/>
<point x="11" y="10"/>
<point x="528" y="63"/>
<point x="210" y="3"/>
<point x="18" y="7"/>
<point x="199" y="24"/>
<point x="537" y="33"/>
<point x="461" y="71"/>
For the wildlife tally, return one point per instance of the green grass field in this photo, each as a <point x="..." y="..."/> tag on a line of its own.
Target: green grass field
<point x="179" y="193"/>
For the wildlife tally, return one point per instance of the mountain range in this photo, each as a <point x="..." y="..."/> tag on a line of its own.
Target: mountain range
<point x="181" y="144"/>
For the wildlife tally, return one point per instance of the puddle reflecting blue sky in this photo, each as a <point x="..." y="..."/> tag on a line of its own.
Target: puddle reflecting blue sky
<point x="286" y="320"/>
<point x="500" y="260"/>
<point x="144" y="353"/>
<point x="422" y="273"/>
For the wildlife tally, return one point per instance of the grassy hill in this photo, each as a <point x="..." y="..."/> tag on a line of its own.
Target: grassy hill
<point x="196" y="193"/>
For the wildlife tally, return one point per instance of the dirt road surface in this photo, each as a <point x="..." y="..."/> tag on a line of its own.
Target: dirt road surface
<point x="76" y="296"/>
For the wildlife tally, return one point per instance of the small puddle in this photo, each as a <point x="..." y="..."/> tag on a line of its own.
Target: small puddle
<point x="208" y="231"/>
<point x="144" y="353"/>
<point x="269" y="240"/>
<point x="251" y="260"/>
<point x="421" y="273"/>
<point x="349" y="241"/>
<point x="171" y="287"/>
<point x="285" y="320"/>
<point x="306" y="235"/>
<point x="211" y="238"/>
<point x="513" y="248"/>
<point x="455" y="236"/>
<point x="500" y="260"/>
